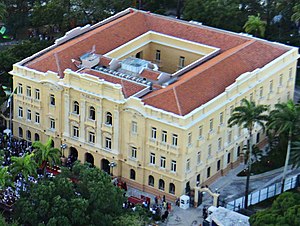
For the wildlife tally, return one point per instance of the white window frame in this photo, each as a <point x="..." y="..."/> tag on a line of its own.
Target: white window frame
<point x="152" y="158"/>
<point x="108" y="143"/>
<point x="28" y="114"/>
<point x="174" y="139"/>
<point x="28" y="91"/>
<point x="181" y="62"/>
<point x="37" y="94"/>
<point x="92" y="137"/>
<point x="162" y="162"/>
<point x="20" y="88"/>
<point x="211" y="125"/>
<point x="52" y="100"/>
<point x="37" y="117"/>
<point x="153" y="133"/>
<point x="52" y="123"/>
<point x="173" y="166"/>
<point x="133" y="152"/>
<point x="164" y="136"/>
<point x="20" y="114"/>
<point x="134" y="127"/>
<point x="157" y="55"/>
<point x="75" y="132"/>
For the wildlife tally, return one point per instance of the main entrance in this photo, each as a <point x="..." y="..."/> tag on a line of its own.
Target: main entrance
<point x="105" y="166"/>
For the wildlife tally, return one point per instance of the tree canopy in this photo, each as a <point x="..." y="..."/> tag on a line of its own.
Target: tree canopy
<point x="91" y="200"/>
<point x="285" y="210"/>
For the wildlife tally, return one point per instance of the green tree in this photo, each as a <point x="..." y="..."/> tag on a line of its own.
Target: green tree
<point x="3" y="11"/>
<point x="285" y="120"/>
<point x="284" y="211"/>
<point x="5" y="178"/>
<point x="255" y="26"/>
<point x="218" y="13"/>
<point x="296" y="13"/>
<point x="45" y="154"/>
<point x="246" y="116"/>
<point x="24" y="165"/>
<point x="91" y="200"/>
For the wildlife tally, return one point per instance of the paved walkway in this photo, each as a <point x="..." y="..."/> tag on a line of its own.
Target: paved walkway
<point x="230" y="187"/>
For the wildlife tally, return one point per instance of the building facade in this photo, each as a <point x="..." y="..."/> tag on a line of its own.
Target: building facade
<point x="147" y="98"/>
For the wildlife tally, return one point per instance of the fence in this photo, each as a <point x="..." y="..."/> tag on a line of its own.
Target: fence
<point x="263" y="194"/>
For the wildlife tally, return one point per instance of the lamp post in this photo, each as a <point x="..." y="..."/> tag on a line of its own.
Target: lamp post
<point x="63" y="158"/>
<point x="112" y="165"/>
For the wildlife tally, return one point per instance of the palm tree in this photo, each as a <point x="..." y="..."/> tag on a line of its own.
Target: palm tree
<point x="46" y="154"/>
<point x="3" y="11"/>
<point x="247" y="115"/>
<point x="255" y="25"/>
<point x="285" y="120"/>
<point x="296" y="13"/>
<point x="295" y="153"/>
<point x="24" y="165"/>
<point x="5" y="178"/>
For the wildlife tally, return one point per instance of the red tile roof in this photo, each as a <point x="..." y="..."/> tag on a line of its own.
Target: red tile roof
<point x="238" y="55"/>
<point x="128" y="88"/>
<point x="104" y="61"/>
<point x="149" y="74"/>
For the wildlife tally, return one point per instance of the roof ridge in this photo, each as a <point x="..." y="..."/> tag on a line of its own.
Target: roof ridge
<point x="123" y="88"/>
<point x="58" y="65"/>
<point x="177" y="101"/>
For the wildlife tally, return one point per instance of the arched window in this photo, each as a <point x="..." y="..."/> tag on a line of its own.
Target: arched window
<point x="108" y="120"/>
<point x="20" y="132"/>
<point x="76" y="108"/>
<point x="132" y="174"/>
<point x="92" y="113"/>
<point x="151" y="181"/>
<point x="28" y="135"/>
<point x="161" y="184"/>
<point x="172" y="188"/>
<point x="36" y="137"/>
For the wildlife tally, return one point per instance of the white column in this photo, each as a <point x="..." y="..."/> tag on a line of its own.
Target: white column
<point x="116" y="130"/>
<point x="99" y="116"/>
<point x="66" y="122"/>
<point x="82" y="120"/>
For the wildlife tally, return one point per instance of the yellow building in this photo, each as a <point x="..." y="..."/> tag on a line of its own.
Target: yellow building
<point x="147" y="97"/>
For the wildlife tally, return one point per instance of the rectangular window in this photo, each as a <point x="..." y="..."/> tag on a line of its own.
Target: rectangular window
<point x="173" y="166"/>
<point x="199" y="157"/>
<point x="218" y="165"/>
<point x="52" y="123"/>
<point x="221" y="118"/>
<point x="52" y="99"/>
<point x="20" y="88"/>
<point x="20" y="112"/>
<point x="163" y="162"/>
<point x="188" y="165"/>
<point x="219" y="143"/>
<point x="134" y="127"/>
<point x="209" y="151"/>
<point x="208" y="172"/>
<point x="290" y="73"/>
<point x="229" y="137"/>
<point x="164" y="136"/>
<point x="75" y="131"/>
<point x="92" y="137"/>
<point x="211" y="125"/>
<point x="280" y="79"/>
<point x="133" y="152"/>
<point x="37" y="94"/>
<point x="108" y="143"/>
<point x="251" y="96"/>
<point x="29" y="114"/>
<point x="152" y="158"/>
<point x="37" y="117"/>
<point x="261" y="92"/>
<point x="174" y="139"/>
<point x="228" y="158"/>
<point x="157" y="55"/>
<point x="181" y="62"/>
<point x="153" y="133"/>
<point x="28" y="91"/>
<point x="189" y="138"/>
<point x="271" y="86"/>
<point x="200" y="131"/>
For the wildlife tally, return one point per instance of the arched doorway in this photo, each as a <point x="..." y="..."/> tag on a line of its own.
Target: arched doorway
<point x="36" y="137"/>
<point x="105" y="166"/>
<point x="73" y="154"/>
<point x="89" y="158"/>
<point x="52" y="143"/>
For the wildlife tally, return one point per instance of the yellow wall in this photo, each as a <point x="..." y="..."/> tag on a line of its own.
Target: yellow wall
<point x="104" y="97"/>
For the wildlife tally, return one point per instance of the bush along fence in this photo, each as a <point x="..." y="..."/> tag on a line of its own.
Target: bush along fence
<point x="263" y="194"/>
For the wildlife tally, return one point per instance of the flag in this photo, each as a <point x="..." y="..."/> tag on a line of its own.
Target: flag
<point x="10" y="97"/>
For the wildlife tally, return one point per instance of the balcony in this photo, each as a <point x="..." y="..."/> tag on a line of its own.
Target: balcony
<point x="90" y="122"/>
<point x="107" y="128"/>
<point x="74" y="117"/>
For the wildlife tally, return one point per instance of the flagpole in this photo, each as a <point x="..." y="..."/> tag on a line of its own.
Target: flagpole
<point x="10" y="118"/>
